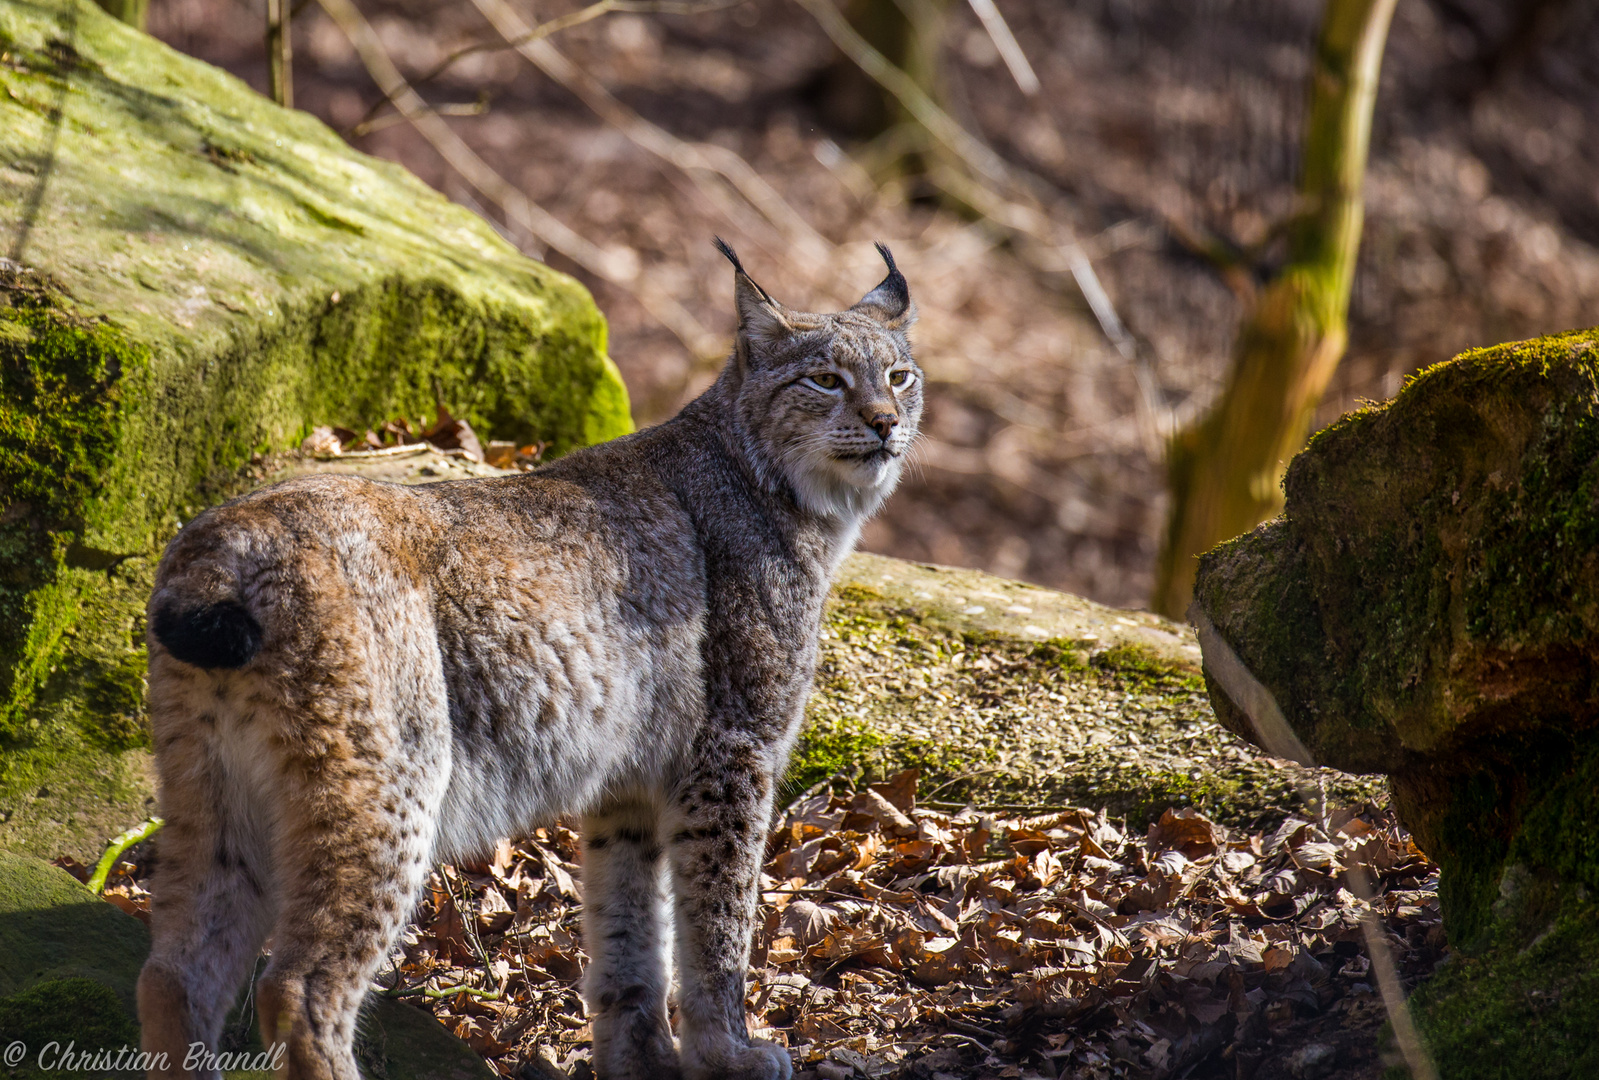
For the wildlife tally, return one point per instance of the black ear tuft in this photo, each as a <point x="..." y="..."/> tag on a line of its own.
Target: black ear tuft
<point x="759" y="316"/>
<point x="738" y="267"/>
<point x="727" y="249"/>
<point x="888" y="257"/>
<point x="891" y="299"/>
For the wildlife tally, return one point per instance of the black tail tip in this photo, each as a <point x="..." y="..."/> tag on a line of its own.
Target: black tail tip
<point x="220" y="635"/>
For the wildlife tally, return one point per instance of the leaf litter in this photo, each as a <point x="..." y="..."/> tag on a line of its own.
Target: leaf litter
<point x="898" y="941"/>
<point x="447" y="435"/>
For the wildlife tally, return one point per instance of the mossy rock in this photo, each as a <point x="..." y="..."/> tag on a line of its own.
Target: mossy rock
<point x="58" y="1019"/>
<point x="69" y="963"/>
<point x="1428" y="607"/>
<point x="191" y="276"/>
<point x="1009" y="694"/>
<point x="1524" y="1005"/>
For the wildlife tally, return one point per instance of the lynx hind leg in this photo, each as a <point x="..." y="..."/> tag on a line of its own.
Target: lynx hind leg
<point x="354" y="842"/>
<point x="212" y="905"/>
<point x="626" y="935"/>
<point x="718" y="836"/>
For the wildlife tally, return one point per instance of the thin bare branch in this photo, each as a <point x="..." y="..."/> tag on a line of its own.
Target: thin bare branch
<point x="1005" y="41"/>
<point x="1052" y="252"/>
<point x="543" y="30"/>
<point x="1420" y="1062"/>
<point x="367" y="127"/>
<point x="618" y="267"/>
<point x="917" y="102"/>
<point x="684" y="155"/>
<point x="977" y="156"/>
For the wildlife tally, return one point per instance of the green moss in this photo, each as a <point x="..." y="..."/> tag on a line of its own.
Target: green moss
<point x="1531" y="803"/>
<point x="1534" y="804"/>
<point x="1452" y="529"/>
<point x="1003" y="720"/>
<point x="1137" y="667"/>
<point x="69" y="963"/>
<point x="857" y="594"/>
<point x="1062" y="654"/>
<point x="1526" y="1007"/>
<point x="114" y="700"/>
<point x="1528" y="561"/>
<point x="828" y="747"/>
<point x="79" y="1012"/>
<point x="1560" y="829"/>
<point x="1151" y="795"/>
<point x="60" y="394"/>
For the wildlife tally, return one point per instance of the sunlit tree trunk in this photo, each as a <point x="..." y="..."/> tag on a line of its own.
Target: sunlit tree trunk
<point x="1225" y="472"/>
<point x="133" y="12"/>
<point x="280" y="56"/>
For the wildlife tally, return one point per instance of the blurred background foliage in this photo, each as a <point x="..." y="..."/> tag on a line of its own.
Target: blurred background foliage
<point x="1089" y="197"/>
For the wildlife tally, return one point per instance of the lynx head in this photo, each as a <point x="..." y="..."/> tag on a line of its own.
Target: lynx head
<point x="827" y="404"/>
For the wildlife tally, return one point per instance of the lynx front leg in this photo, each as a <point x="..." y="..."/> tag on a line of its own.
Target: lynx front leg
<point x="623" y="928"/>
<point x="718" y="835"/>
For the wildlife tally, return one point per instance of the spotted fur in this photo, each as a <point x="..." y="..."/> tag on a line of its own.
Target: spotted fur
<point x="350" y="680"/>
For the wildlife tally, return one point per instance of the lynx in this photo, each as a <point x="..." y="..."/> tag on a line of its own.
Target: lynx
<point x="350" y="680"/>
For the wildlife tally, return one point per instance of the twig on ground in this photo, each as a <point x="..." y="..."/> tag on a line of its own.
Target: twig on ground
<point x="1388" y="985"/>
<point x="119" y="844"/>
<point x="1272" y="731"/>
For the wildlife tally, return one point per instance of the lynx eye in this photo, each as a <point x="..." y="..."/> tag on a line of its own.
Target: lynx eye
<point x="827" y="380"/>
<point x="899" y="378"/>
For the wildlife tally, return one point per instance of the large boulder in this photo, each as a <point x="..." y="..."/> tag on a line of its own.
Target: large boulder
<point x="1428" y="607"/>
<point x="192" y="275"/>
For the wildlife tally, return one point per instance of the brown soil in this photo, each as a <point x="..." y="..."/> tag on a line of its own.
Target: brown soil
<point x="1483" y="216"/>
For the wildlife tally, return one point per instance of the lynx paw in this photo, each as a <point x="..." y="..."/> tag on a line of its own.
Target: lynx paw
<point x="756" y="1059"/>
<point x="636" y="1053"/>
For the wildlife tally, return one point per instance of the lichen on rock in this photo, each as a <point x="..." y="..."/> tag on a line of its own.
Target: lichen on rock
<point x="193" y="275"/>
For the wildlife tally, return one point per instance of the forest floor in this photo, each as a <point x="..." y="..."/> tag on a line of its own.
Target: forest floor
<point x="1157" y="120"/>
<point x="905" y="939"/>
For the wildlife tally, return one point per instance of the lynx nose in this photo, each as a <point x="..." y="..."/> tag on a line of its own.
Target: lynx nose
<point x="883" y="423"/>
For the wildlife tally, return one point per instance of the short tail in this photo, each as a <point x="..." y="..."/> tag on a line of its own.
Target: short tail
<point x="218" y="635"/>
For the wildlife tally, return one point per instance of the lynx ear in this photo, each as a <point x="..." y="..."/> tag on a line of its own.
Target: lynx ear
<point x="890" y="303"/>
<point x="760" y="318"/>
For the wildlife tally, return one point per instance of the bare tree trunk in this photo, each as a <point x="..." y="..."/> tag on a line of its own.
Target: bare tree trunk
<point x="907" y="32"/>
<point x="1225" y="472"/>
<point x="280" y="54"/>
<point x="135" y="13"/>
